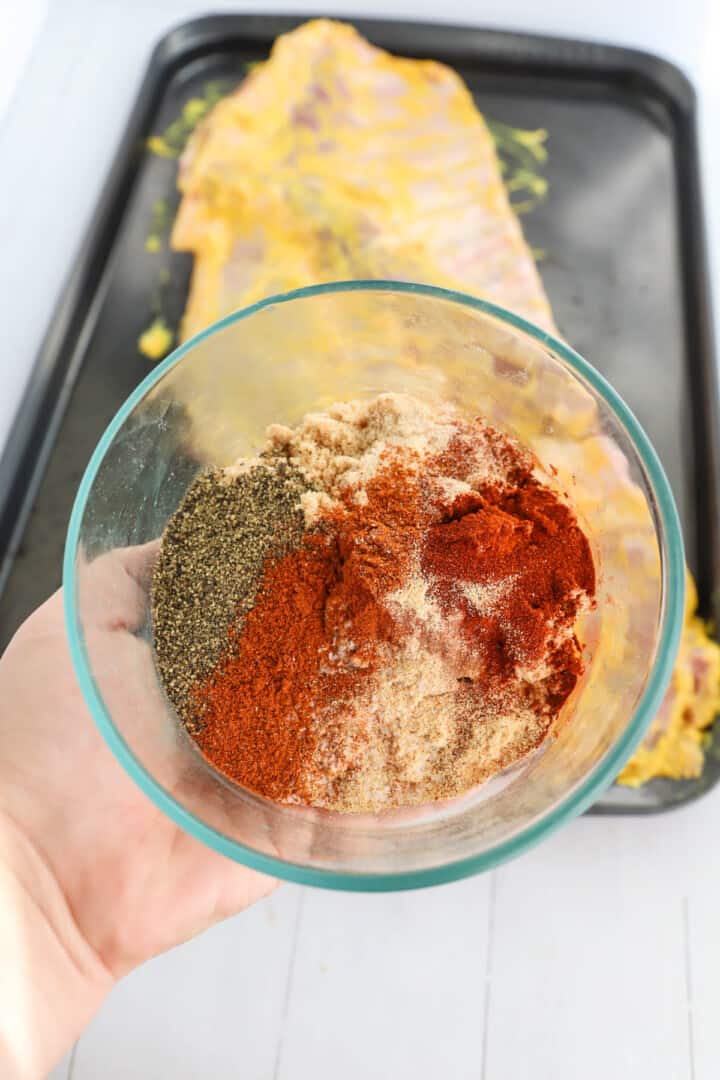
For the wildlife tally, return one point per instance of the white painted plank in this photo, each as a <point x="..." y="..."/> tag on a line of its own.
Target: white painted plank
<point x="210" y="1009"/>
<point x="693" y="866"/>
<point x="672" y="857"/>
<point x="22" y="24"/>
<point x="389" y="986"/>
<point x="588" y="973"/>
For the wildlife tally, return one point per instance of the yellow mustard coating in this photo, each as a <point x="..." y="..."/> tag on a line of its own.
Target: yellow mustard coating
<point x="673" y="746"/>
<point x="335" y="160"/>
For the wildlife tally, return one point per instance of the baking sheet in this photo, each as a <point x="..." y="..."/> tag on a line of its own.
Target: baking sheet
<point x="619" y="234"/>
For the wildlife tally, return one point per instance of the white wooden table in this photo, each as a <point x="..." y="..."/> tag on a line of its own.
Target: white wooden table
<point x="596" y="956"/>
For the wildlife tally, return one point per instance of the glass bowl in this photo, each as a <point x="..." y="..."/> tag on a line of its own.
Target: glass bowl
<point x="210" y="402"/>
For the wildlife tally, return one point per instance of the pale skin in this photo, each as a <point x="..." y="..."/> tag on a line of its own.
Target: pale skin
<point x="94" y="879"/>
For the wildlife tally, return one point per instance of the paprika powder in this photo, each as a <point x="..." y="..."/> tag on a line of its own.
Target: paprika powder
<point x="421" y="635"/>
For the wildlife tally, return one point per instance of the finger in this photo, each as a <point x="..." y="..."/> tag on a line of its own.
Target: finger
<point x="139" y="561"/>
<point x="114" y="589"/>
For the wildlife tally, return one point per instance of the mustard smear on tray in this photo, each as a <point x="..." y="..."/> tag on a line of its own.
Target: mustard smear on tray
<point x="673" y="746"/>
<point x="157" y="340"/>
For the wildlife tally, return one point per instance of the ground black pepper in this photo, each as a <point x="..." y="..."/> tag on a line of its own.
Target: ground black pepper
<point x="210" y="564"/>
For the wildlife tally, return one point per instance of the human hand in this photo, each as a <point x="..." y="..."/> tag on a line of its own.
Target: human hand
<point x="99" y="879"/>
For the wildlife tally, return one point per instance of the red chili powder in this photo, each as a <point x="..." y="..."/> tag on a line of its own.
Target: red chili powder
<point x="320" y="627"/>
<point x="528" y="535"/>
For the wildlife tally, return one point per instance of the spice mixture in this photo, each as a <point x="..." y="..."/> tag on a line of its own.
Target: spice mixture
<point x="377" y="612"/>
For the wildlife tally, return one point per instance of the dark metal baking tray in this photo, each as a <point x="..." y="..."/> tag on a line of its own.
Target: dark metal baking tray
<point x="625" y="268"/>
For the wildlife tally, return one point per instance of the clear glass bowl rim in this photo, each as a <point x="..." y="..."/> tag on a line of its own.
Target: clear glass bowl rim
<point x="601" y="777"/>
